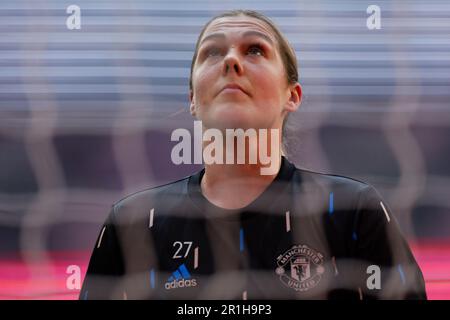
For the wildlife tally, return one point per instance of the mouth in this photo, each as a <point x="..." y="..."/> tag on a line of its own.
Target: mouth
<point x="233" y="88"/>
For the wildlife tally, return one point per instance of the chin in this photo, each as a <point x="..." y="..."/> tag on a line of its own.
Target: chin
<point x="232" y="117"/>
<point x="235" y="122"/>
<point x="225" y="123"/>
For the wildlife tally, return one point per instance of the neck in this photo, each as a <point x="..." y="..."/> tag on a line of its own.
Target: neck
<point x="235" y="185"/>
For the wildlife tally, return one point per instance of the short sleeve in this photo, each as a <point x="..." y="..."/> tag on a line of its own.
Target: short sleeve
<point x="106" y="267"/>
<point x="382" y="250"/>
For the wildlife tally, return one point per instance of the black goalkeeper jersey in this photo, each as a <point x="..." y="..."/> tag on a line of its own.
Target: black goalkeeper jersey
<point x="307" y="236"/>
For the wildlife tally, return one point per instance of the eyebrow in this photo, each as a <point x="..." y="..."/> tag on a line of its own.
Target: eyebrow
<point x="245" y="35"/>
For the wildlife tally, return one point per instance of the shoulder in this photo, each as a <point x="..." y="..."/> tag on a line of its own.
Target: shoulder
<point x="331" y="182"/>
<point x="338" y="192"/>
<point x="141" y="202"/>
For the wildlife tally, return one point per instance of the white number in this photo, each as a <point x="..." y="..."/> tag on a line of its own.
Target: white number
<point x="180" y="247"/>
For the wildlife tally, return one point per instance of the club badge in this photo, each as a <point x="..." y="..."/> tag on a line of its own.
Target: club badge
<point x="300" y="267"/>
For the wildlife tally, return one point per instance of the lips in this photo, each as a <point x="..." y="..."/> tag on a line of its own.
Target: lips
<point x="233" y="86"/>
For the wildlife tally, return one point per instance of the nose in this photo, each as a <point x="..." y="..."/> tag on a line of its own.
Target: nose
<point x="232" y="63"/>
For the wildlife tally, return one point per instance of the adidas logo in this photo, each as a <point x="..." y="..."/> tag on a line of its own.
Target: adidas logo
<point x="180" y="278"/>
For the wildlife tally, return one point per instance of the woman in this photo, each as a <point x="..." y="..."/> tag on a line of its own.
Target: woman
<point x="231" y="231"/>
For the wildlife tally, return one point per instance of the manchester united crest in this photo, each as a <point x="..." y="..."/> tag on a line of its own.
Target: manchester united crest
<point x="300" y="267"/>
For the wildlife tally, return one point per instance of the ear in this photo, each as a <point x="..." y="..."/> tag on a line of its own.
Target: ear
<point x="295" y="97"/>
<point x="192" y="105"/>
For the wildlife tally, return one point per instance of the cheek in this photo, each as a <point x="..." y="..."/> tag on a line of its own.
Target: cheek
<point x="203" y="78"/>
<point x="268" y="84"/>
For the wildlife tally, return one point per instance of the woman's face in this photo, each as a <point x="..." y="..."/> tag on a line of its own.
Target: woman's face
<point x="241" y="52"/>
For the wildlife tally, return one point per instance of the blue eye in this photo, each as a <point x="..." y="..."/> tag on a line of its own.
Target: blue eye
<point x="256" y="50"/>
<point x="213" y="52"/>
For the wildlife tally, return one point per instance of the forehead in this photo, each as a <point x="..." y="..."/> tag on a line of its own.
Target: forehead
<point x="239" y="24"/>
